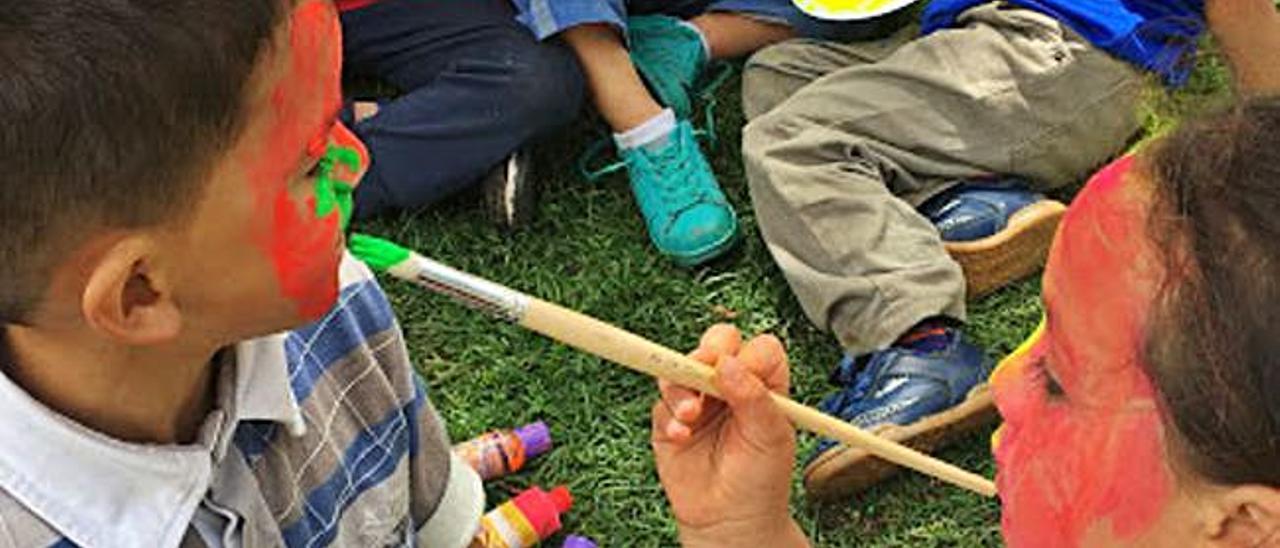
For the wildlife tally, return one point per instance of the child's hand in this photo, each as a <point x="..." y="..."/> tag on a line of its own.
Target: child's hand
<point x="726" y="465"/>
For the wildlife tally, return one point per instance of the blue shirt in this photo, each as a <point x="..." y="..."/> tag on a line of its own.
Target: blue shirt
<point x="1156" y="35"/>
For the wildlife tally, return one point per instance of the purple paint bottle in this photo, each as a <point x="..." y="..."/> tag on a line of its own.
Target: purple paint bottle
<point x="574" y="541"/>
<point x="503" y="452"/>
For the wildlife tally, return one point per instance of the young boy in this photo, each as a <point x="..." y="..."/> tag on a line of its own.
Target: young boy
<point x="863" y="159"/>
<point x="176" y="192"/>
<point x="641" y="59"/>
<point x="476" y="89"/>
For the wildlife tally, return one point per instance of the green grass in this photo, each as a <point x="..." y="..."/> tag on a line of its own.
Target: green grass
<point x="588" y="250"/>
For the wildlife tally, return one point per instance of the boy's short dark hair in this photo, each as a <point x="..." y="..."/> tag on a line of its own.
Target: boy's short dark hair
<point x="110" y="113"/>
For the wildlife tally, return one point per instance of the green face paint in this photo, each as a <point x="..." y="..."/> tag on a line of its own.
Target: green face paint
<point x="379" y="254"/>
<point x="332" y="193"/>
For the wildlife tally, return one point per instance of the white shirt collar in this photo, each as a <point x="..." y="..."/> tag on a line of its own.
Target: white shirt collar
<point x="262" y="389"/>
<point x="99" y="491"/>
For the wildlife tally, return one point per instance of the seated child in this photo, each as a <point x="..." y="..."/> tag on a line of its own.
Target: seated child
<point x="890" y="180"/>
<point x="1143" y="412"/>
<point x="641" y="59"/>
<point x="189" y="355"/>
<point x="476" y="89"/>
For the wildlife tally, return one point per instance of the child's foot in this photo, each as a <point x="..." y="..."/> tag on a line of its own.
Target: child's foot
<point x="999" y="231"/>
<point x="925" y="391"/>
<point x="670" y="55"/>
<point x="687" y="215"/>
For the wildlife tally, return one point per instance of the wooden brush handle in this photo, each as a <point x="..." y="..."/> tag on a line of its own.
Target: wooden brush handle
<point x="633" y="351"/>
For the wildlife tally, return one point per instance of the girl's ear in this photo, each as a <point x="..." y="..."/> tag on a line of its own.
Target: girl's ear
<point x="128" y="298"/>
<point x="1247" y="515"/>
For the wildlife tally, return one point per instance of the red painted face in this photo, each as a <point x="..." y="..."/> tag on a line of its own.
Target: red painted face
<point x="302" y="173"/>
<point x="1081" y="455"/>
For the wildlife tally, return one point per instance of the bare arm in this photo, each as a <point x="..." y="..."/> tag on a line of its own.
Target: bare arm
<point x="1249" y="34"/>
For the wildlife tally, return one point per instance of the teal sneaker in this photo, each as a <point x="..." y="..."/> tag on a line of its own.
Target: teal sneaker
<point x="686" y="213"/>
<point x="670" y="57"/>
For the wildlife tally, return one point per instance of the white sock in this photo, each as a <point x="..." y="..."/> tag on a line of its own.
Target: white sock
<point x="654" y="132"/>
<point x="706" y="47"/>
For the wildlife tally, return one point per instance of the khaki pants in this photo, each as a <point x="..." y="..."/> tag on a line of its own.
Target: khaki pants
<point x="844" y="140"/>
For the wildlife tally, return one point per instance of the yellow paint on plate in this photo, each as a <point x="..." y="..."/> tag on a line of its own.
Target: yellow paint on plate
<point x="847" y="9"/>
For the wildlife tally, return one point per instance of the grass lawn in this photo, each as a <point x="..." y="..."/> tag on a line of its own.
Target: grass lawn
<point x="588" y="250"/>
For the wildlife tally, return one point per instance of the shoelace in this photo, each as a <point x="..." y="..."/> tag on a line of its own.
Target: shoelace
<point x="670" y="166"/>
<point x="724" y="72"/>
<point x="598" y="148"/>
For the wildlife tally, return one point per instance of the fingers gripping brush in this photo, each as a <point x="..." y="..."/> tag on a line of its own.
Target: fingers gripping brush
<point x="632" y="351"/>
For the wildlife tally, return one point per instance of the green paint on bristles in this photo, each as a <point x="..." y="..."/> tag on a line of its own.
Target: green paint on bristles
<point x="376" y="252"/>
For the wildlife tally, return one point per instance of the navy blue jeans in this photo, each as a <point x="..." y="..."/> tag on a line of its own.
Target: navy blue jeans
<point x="475" y="87"/>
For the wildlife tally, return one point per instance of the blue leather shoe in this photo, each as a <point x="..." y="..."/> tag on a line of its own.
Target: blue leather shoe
<point x="924" y="399"/>
<point x="973" y="210"/>
<point x="997" y="229"/>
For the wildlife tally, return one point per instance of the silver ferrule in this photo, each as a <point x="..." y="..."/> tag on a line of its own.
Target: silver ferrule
<point x="471" y="291"/>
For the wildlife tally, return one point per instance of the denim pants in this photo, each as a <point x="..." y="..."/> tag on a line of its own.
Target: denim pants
<point x="475" y="87"/>
<point x="547" y="18"/>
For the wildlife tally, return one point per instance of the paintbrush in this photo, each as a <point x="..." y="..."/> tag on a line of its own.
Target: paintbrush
<point x="630" y="350"/>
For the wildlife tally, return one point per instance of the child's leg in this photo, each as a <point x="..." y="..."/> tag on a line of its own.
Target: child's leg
<point x="685" y="212"/>
<point x="476" y="87"/>
<point x="776" y="73"/>
<point x="856" y="140"/>
<point x="731" y="35"/>
<point x="619" y="93"/>
<point x="828" y="169"/>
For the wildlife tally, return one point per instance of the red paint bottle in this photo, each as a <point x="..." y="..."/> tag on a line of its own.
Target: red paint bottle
<point x="530" y="518"/>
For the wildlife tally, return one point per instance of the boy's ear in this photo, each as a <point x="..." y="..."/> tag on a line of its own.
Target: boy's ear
<point x="127" y="298"/>
<point x="1246" y="515"/>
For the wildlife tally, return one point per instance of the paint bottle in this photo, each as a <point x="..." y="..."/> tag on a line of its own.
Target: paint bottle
<point x="575" y="541"/>
<point x="524" y="521"/>
<point x="502" y="452"/>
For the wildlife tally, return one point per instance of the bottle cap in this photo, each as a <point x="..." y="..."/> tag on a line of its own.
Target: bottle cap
<point x="536" y="438"/>
<point x="561" y="498"/>
<point x="575" y="541"/>
<point x="543" y="509"/>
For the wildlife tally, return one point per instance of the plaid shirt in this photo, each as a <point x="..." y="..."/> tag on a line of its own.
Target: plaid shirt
<point x="322" y="436"/>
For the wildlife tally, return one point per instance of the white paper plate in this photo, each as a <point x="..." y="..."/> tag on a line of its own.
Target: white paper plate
<point x="850" y="10"/>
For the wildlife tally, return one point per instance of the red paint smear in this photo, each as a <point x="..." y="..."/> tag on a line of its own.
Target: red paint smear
<point x="304" y="250"/>
<point x="1095" y="460"/>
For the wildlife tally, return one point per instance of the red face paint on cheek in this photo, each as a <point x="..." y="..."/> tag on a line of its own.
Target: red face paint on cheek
<point x="1092" y="460"/>
<point x="304" y="249"/>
